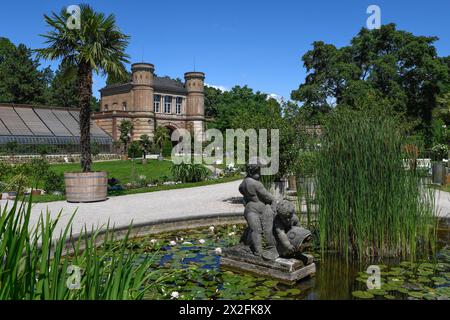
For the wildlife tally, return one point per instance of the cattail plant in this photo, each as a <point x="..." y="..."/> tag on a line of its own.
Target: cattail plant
<point x="370" y="203"/>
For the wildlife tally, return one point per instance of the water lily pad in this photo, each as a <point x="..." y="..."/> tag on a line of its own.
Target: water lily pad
<point x="293" y="291"/>
<point x="439" y="280"/>
<point x="361" y="279"/>
<point x="423" y="279"/>
<point x="262" y="294"/>
<point x="270" y="283"/>
<point x="389" y="297"/>
<point x="425" y="272"/>
<point x="362" y="295"/>
<point x="402" y="290"/>
<point x="281" y="293"/>
<point x="377" y="292"/>
<point x="415" y="294"/>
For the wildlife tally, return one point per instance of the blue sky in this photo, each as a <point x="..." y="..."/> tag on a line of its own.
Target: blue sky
<point x="254" y="43"/>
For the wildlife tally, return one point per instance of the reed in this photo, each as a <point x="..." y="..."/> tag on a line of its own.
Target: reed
<point x="369" y="204"/>
<point x="35" y="264"/>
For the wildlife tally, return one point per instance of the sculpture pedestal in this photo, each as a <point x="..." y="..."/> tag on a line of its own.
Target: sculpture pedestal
<point x="240" y="258"/>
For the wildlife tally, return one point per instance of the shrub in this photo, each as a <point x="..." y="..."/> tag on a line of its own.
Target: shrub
<point x="39" y="167"/>
<point x="54" y="182"/>
<point x="167" y="149"/>
<point x="95" y="148"/>
<point x="134" y="150"/>
<point x="141" y="181"/>
<point x="12" y="147"/>
<point x="185" y="172"/>
<point x="439" y="151"/>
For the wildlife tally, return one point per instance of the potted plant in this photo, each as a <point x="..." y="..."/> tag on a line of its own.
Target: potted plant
<point x="95" y="45"/>
<point x="439" y="152"/>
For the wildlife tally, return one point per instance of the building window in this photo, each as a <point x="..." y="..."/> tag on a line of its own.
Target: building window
<point x="124" y="106"/>
<point x="105" y="107"/>
<point x="178" y="105"/>
<point x="156" y="103"/>
<point x="167" y="104"/>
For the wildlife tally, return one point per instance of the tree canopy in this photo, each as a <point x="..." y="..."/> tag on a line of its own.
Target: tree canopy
<point x="21" y="79"/>
<point x="24" y="81"/>
<point x="388" y="67"/>
<point x="97" y="46"/>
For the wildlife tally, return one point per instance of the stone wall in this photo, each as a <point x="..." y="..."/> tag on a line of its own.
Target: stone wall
<point x="60" y="158"/>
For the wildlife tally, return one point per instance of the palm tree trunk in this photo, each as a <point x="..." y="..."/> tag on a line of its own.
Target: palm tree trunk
<point x="85" y="94"/>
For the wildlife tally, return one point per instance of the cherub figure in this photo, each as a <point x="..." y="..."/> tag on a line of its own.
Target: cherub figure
<point x="258" y="213"/>
<point x="290" y="237"/>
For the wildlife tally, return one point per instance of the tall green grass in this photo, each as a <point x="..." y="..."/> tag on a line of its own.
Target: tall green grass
<point x="187" y="173"/>
<point x="35" y="263"/>
<point x="369" y="204"/>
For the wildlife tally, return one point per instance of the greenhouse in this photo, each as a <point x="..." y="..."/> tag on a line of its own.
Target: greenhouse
<point x="26" y="129"/>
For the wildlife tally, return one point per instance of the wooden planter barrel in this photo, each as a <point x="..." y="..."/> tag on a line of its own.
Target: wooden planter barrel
<point x="86" y="186"/>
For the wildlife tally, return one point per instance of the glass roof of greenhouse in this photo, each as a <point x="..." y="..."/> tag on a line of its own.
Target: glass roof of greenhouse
<point x="42" y="125"/>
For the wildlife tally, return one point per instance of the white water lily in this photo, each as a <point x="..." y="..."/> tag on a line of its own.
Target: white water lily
<point x="153" y="241"/>
<point x="232" y="234"/>
<point x="211" y="228"/>
<point x="218" y="251"/>
<point x="187" y="243"/>
<point x="234" y="226"/>
<point x="173" y="243"/>
<point x="201" y="241"/>
<point x="175" y="295"/>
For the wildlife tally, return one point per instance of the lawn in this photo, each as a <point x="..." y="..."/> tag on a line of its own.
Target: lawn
<point x="122" y="170"/>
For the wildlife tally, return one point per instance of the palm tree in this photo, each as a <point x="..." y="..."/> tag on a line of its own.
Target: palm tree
<point x="97" y="46"/>
<point x="126" y="128"/>
<point x="145" y="143"/>
<point x="160" y="137"/>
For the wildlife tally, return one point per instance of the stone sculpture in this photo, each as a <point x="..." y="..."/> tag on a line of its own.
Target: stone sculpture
<point x="273" y="242"/>
<point x="273" y="228"/>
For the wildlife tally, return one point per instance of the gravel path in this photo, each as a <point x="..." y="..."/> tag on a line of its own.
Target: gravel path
<point x="144" y="208"/>
<point x="170" y="204"/>
<point x="443" y="203"/>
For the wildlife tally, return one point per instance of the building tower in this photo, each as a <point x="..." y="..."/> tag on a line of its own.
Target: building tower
<point x="195" y="101"/>
<point x="142" y="81"/>
<point x="142" y="98"/>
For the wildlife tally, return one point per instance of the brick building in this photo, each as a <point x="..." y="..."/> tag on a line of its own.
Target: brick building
<point x="149" y="101"/>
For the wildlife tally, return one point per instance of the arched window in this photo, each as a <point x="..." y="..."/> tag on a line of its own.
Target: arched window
<point x="124" y="106"/>
<point x="105" y="108"/>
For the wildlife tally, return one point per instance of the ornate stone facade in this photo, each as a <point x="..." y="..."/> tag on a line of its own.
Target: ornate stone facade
<point x="149" y="101"/>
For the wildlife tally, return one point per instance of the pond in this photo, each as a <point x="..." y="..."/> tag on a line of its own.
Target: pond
<point x="186" y="265"/>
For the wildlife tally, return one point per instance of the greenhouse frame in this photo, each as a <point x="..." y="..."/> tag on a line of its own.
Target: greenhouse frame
<point x="26" y="129"/>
